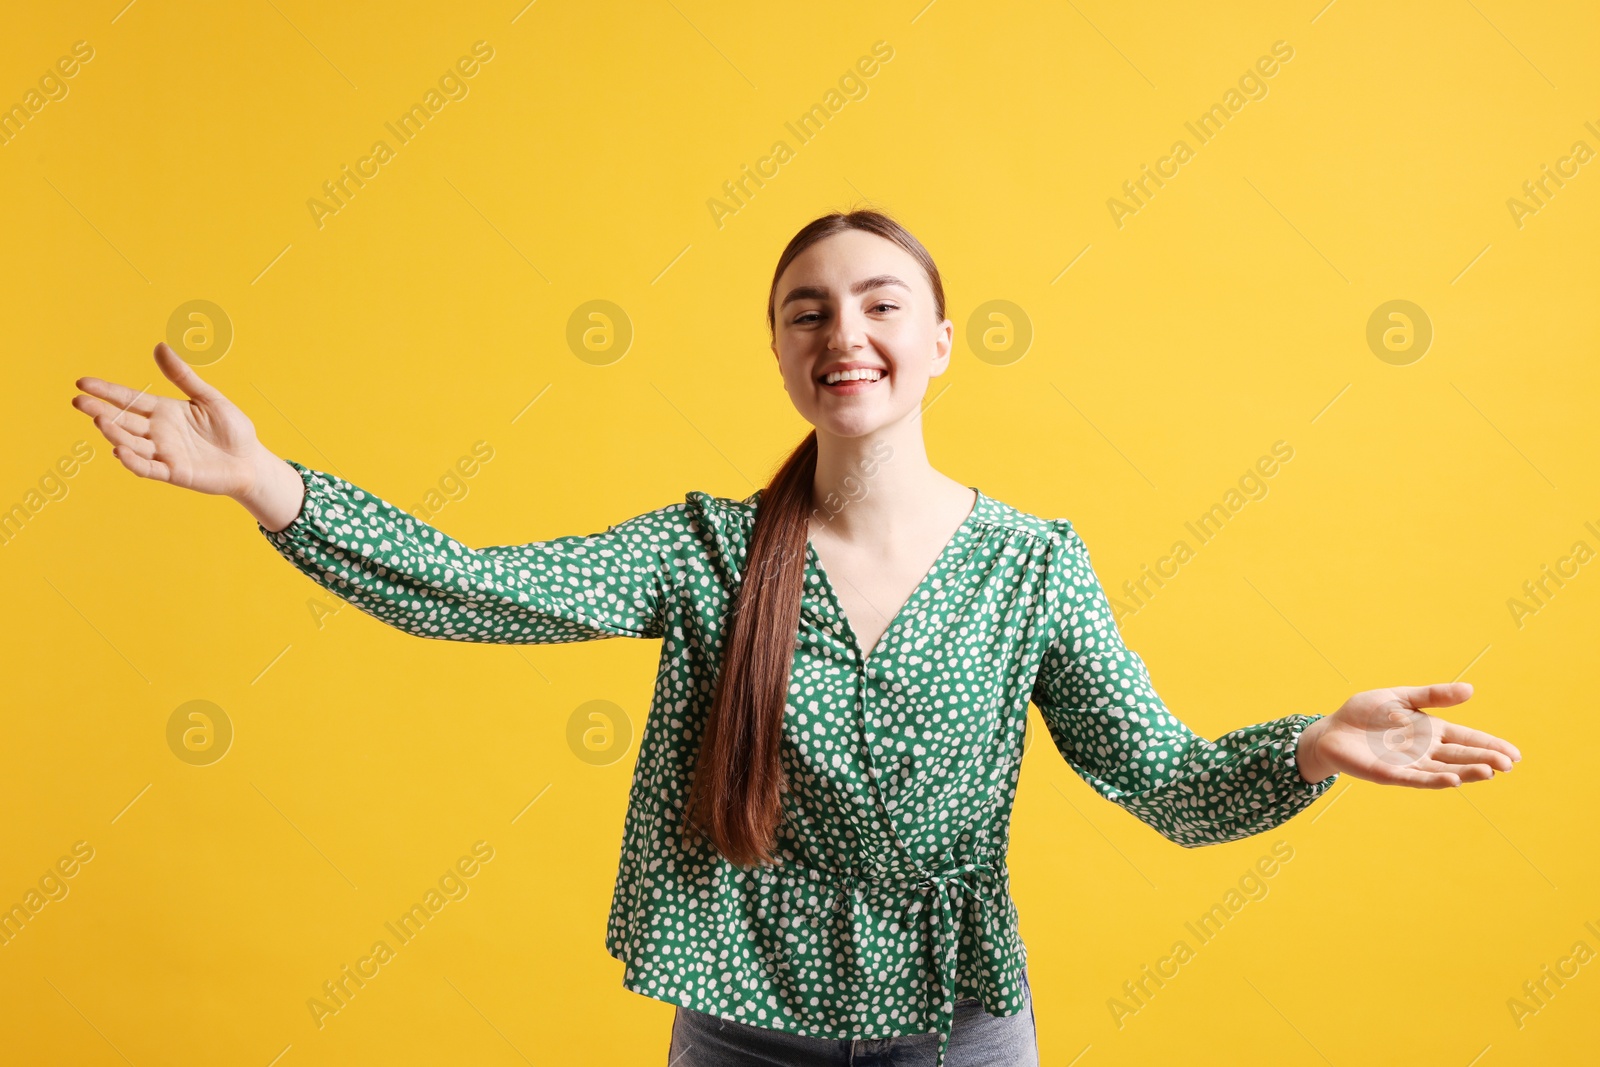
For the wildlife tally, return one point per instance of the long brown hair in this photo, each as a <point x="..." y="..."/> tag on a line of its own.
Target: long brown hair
<point x="735" y="798"/>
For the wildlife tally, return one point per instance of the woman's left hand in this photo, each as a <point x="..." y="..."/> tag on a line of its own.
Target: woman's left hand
<point x="1382" y="736"/>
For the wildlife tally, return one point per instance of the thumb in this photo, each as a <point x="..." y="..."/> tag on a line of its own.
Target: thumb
<point x="182" y="375"/>
<point x="1434" y="696"/>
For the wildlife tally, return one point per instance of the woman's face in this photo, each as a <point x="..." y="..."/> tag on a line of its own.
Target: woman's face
<point x="857" y="300"/>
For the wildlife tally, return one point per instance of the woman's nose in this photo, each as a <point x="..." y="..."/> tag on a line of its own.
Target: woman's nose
<point x="847" y="332"/>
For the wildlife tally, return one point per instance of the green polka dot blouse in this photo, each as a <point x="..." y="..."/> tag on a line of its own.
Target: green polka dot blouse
<point x="891" y="900"/>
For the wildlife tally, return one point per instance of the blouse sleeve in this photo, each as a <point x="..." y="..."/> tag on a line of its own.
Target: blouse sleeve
<point x="404" y="572"/>
<point x="1104" y="716"/>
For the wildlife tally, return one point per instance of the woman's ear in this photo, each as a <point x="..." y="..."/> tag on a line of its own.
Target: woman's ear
<point x="943" y="342"/>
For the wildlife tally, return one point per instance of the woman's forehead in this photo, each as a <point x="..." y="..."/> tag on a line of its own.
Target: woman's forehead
<point x="837" y="264"/>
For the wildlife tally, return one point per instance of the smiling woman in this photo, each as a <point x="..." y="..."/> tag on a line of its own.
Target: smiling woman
<point x="817" y="829"/>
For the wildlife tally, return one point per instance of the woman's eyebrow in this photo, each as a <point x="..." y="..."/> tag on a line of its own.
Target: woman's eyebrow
<point x="820" y="292"/>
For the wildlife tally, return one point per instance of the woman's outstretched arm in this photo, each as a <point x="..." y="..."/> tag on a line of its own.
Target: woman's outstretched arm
<point x="382" y="559"/>
<point x="1108" y="722"/>
<point x="399" y="569"/>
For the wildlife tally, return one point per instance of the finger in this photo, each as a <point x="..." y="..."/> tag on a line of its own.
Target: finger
<point x="141" y="402"/>
<point x="1493" y="757"/>
<point x="123" y="417"/>
<point x="1465" y="735"/>
<point x="144" y="468"/>
<point x="1420" y="779"/>
<point x="182" y="375"/>
<point x="1467" y="772"/>
<point x="1434" y="696"/>
<point x="119" y="436"/>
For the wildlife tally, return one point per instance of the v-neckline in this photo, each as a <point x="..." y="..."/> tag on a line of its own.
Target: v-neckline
<point x="936" y="567"/>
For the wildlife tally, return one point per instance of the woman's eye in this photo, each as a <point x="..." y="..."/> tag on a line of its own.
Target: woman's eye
<point x="807" y="317"/>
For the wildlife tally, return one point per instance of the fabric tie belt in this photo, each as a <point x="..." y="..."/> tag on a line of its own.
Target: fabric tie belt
<point x="938" y="888"/>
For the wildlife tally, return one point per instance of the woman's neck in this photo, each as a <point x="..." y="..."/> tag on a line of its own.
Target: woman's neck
<point x="880" y="486"/>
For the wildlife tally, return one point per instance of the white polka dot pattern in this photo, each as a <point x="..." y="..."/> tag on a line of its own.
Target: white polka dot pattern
<point x="891" y="899"/>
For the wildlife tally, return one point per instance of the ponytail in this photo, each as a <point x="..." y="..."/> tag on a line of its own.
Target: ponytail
<point x="736" y="796"/>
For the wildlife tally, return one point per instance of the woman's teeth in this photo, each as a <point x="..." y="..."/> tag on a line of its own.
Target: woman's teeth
<point x="852" y="376"/>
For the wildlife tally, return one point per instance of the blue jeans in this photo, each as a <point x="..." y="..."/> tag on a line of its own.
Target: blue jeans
<point x="978" y="1040"/>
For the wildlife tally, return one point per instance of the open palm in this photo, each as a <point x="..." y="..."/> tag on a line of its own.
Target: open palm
<point x="1383" y="736"/>
<point x="204" y="443"/>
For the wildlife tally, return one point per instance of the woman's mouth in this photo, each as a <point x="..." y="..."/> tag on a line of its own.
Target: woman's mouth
<point x="848" y="383"/>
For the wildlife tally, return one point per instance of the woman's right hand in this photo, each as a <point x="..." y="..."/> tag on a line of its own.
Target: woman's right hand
<point x="204" y="443"/>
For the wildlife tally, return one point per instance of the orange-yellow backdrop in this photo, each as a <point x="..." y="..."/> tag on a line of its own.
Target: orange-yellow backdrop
<point x="1442" y="456"/>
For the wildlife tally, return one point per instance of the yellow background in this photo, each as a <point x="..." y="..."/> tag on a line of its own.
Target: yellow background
<point x="1229" y="313"/>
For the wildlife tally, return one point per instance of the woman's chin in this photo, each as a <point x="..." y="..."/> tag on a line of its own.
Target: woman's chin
<point x="851" y="424"/>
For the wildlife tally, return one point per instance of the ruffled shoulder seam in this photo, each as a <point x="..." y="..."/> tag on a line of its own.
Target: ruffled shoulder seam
<point x="999" y="513"/>
<point x="704" y="502"/>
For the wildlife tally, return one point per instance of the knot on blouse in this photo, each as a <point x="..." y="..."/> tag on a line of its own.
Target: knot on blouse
<point x="945" y="892"/>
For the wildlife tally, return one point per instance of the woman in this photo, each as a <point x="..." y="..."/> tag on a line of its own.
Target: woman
<point x="813" y="865"/>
